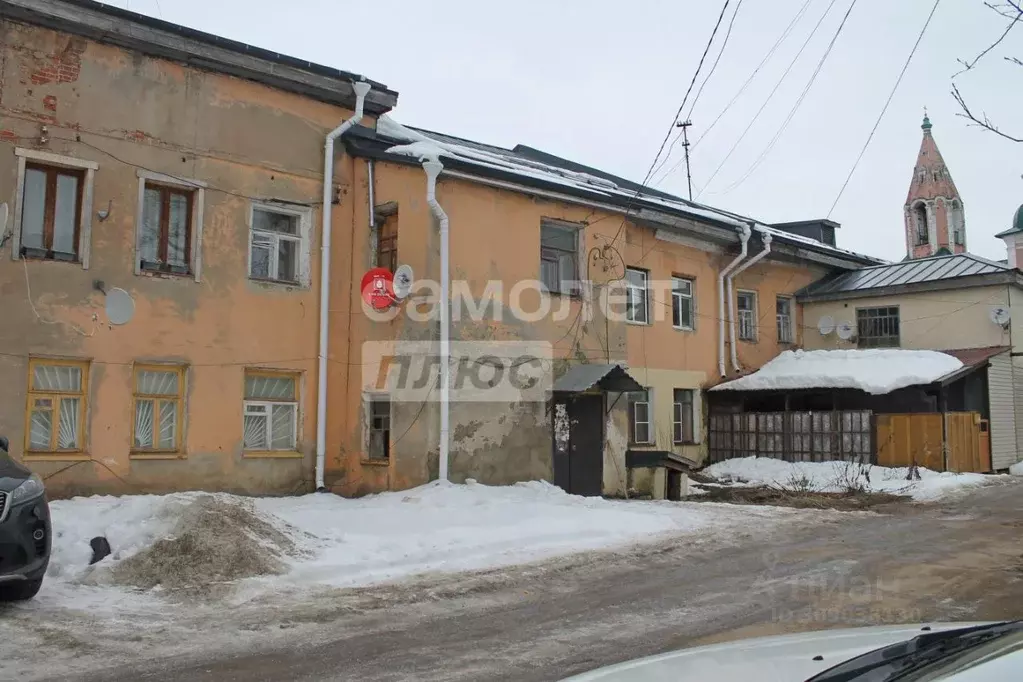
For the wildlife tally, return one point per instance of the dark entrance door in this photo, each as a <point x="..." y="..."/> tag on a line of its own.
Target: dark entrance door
<point x="579" y="443"/>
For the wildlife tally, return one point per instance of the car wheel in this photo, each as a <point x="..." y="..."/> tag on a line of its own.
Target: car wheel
<point x="20" y="591"/>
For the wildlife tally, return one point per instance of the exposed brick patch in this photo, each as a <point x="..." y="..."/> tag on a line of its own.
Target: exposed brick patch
<point x="8" y="136"/>
<point x="50" y="103"/>
<point x="62" y="67"/>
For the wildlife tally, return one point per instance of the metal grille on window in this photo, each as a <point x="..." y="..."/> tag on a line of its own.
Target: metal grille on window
<point x="156" y="409"/>
<point x="682" y="303"/>
<point x="276" y="242"/>
<point x="64" y="383"/>
<point x="558" y="258"/>
<point x="878" y="327"/>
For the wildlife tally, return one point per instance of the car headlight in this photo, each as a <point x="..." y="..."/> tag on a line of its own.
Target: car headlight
<point x="32" y="487"/>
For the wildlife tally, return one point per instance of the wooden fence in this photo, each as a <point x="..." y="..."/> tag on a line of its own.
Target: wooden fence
<point x="793" y="436"/>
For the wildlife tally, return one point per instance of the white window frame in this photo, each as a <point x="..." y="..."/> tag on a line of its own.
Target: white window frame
<point x="85" y="220"/>
<point x="648" y="403"/>
<point x="268" y="405"/>
<point x="199" y="188"/>
<point x="629" y="288"/>
<point x="789" y="326"/>
<point x="753" y="315"/>
<point x="305" y="219"/>
<point x="676" y="298"/>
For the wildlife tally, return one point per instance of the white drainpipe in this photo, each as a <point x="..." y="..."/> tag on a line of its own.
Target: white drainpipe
<point x="361" y="88"/>
<point x="744" y="234"/>
<point x="735" y="273"/>
<point x="433" y="167"/>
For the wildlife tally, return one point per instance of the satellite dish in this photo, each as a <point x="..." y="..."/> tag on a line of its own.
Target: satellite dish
<point x="999" y="315"/>
<point x="845" y="330"/>
<point x="403" y="278"/>
<point x="826" y="325"/>
<point x="120" y="306"/>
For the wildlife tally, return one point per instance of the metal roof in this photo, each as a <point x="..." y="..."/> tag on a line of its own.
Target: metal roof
<point x="907" y="272"/>
<point x="612" y="377"/>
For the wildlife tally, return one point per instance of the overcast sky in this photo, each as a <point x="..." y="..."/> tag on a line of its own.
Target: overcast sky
<point x="599" y="82"/>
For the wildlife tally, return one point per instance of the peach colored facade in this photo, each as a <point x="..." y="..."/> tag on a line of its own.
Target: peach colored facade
<point x="124" y="123"/>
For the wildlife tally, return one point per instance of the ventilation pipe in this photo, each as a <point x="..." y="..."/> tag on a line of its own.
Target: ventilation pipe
<point x="433" y="167"/>
<point x="766" y="236"/>
<point x="744" y="234"/>
<point x="362" y="89"/>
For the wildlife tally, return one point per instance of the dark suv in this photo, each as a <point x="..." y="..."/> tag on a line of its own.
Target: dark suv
<point x="24" y="529"/>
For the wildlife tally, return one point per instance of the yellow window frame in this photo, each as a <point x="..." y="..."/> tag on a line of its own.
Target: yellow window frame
<point x="56" y="397"/>
<point x="296" y="378"/>
<point x="157" y="399"/>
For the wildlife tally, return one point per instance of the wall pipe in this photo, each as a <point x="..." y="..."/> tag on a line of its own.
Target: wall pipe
<point x="744" y="235"/>
<point x="433" y="167"/>
<point x="361" y="88"/>
<point x="766" y="236"/>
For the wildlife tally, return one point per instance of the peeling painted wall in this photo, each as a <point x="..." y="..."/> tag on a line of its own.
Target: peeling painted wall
<point x="127" y="112"/>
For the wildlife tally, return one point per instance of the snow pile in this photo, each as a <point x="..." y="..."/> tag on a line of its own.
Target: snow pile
<point x="1016" y="469"/>
<point x="876" y="371"/>
<point x="185" y="541"/>
<point x="834" y="477"/>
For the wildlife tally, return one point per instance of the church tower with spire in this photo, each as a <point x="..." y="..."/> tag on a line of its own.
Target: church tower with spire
<point x="935" y="219"/>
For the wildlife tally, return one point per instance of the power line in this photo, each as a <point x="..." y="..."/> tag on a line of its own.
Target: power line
<point x="674" y="119"/>
<point x="888" y="101"/>
<point x="770" y="53"/>
<point x="692" y="106"/>
<point x="795" y="107"/>
<point x="770" y="96"/>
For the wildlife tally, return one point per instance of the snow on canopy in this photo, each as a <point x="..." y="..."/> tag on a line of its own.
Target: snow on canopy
<point x="876" y="371"/>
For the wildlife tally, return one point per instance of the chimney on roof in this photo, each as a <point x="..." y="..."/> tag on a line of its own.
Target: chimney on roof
<point x="823" y="230"/>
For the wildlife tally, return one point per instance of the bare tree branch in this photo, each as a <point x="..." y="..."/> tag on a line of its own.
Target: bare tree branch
<point x="1015" y="13"/>
<point x="983" y="122"/>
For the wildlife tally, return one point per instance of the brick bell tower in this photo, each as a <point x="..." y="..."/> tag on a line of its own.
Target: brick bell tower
<point x="935" y="220"/>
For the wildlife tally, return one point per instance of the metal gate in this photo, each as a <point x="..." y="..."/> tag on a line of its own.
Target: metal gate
<point x="846" y="435"/>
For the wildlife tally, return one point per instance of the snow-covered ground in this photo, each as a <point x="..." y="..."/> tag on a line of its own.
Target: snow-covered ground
<point x="841" y="476"/>
<point x="330" y="541"/>
<point x="1016" y="469"/>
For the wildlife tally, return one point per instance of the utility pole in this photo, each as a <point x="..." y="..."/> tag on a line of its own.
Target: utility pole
<point x="684" y="125"/>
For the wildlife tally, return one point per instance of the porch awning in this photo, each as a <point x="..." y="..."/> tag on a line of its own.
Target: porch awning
<point x="609" y="378"/>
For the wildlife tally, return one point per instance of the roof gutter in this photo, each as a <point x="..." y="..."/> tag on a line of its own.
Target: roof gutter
<point x="361" y="88"/>
<point x="744" y="235"/>
<point x="766" y="236"/>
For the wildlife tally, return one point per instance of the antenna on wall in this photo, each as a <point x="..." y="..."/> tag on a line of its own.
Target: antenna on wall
<point x="845" y="330"/>
<point x="826" y="325"/>
<point x="1000" y="315"/>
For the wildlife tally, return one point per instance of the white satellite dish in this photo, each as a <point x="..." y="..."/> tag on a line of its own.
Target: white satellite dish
<point x="826" y="325"/>
<point x="845" y="330"/>
<point x="999" y="315"/>
<point x="120" y="306"/>
<point x="403" y="279"/>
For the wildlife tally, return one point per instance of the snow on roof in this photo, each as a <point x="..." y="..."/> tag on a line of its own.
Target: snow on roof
<point x="876" y="371"/>
<point x="429" y="145"/>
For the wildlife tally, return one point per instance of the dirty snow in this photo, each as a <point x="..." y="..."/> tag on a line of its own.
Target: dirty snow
<point x="830" y="477"/>
<point x="1016" y="469"/>
<point x="331" y="541"/>
<point x="875" y="371"/>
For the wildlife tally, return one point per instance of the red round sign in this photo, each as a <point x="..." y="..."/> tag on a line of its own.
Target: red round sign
<point x="378" y="288"/>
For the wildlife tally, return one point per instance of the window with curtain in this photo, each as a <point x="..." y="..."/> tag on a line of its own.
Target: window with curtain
<point x="56" y="405"/>
<point x="51" y="211"/>
<point x="271" y="411"/>
<point x="159" y="395"/>
<point x="166" y="233"/>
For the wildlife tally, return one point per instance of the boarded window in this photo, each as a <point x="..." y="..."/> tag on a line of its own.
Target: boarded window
<point x="387" y="244"/>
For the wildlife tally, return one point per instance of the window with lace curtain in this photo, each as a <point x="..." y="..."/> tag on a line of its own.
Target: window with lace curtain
<point x="271" y="412"/>
<point x="56" y="406"/>
<point x="159" y="397"/>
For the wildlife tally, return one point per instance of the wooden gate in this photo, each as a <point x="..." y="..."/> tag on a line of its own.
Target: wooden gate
<point x="967" y="443"/>
<point x="906" y="439"/>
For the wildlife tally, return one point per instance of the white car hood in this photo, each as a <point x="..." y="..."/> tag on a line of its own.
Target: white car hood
<point x="783" y="658"/>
